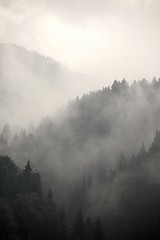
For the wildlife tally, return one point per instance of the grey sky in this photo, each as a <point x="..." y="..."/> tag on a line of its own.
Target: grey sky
<point x="108" y="38"/>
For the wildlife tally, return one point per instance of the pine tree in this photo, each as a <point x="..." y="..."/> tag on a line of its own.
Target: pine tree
<point x="155" y="146"/>
<point x="142" y="155"/>
<point x="27" y="169"/>
<point x="6" y="133"/>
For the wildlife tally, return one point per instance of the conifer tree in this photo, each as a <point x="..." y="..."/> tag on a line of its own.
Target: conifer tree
<point x="27" y="168"/>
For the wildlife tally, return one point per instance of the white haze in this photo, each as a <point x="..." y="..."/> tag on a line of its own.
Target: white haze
<point x="33" y="86"/>
<point x="107" y="39"/>
<point x="110" y="38"/>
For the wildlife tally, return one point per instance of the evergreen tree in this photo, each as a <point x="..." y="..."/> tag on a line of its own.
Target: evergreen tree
<point x="31" y="180"/>
<point x="3" y="145"/>
<point x="142" y="155"/>
<point x="27" y="168"/>
<point x="115" y="86"/>
<point x="155" y="146"/>
<point x="6" y="133"/>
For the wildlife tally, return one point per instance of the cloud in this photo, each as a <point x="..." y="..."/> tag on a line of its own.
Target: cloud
<point x="111" y="38"/>
<point x="76" y="8"/>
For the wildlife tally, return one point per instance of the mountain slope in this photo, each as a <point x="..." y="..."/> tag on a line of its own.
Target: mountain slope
<point x="93" y="129"/>
<point x="29" y="82"/>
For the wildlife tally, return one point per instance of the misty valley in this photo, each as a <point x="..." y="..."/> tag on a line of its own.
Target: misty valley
<point x="89" y="172"/>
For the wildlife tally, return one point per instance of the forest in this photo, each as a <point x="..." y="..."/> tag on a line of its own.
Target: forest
<point x="80" y="120"/>
<point x="92" y="173"/>
<point x="130" y="211"/>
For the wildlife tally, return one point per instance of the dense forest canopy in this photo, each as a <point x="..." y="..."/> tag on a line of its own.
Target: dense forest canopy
<point x="97" y="164"/>
<point x="117" y="203"/>
<point x="80" y="120"/>
<point x="94" y="128"/>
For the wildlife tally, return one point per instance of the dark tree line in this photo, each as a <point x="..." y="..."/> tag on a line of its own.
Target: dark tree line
<point x="130" y="190"/>
<point x="77" y="158"/>
<point x="26" y="212"/>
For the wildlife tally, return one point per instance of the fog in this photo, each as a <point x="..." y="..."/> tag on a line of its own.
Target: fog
<point x="53" y="51"/>
<point x="111" y="39"/>
<point x="94" y="43"/>
<point x="71" y="136"/>
<point x="34" y="86"/>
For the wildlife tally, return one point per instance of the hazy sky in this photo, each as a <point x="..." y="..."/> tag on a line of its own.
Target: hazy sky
<point x="108" y="38"/>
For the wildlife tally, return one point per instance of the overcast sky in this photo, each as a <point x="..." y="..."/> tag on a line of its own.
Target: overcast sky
<point x="108" y="38"/>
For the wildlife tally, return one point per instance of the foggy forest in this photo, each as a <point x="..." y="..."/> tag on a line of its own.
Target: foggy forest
<point x="79" y="120"/>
